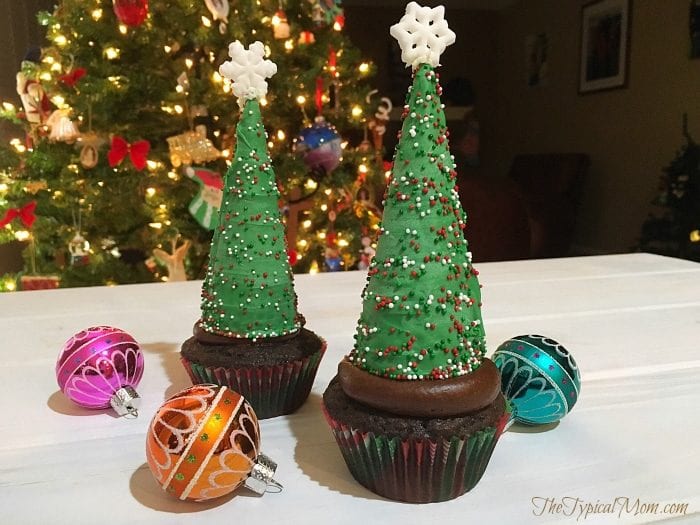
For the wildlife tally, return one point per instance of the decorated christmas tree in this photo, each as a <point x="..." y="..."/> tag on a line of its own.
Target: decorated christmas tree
<point x="673" y="229"/>
<point x="123" y="133"/>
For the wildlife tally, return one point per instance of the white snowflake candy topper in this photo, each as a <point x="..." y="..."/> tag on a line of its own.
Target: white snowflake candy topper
<point x="423" y="35"/>
<point x="248" y="70"/>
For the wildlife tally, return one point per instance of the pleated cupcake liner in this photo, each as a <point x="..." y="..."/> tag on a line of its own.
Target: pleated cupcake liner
<point x="271" y="390"/>
<point x="416" y="470"/>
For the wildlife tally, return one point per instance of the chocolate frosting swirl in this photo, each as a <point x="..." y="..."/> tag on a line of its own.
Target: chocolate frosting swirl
<point x="451" y="397"/>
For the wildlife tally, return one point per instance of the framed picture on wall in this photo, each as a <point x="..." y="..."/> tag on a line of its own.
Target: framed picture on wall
<point x="605" y="43"/>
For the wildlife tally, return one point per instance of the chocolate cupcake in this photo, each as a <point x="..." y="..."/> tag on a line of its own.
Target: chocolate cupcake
<point x="410" y="458"/>
<point x="251" y="337"/>
<point x="416" y="407"/>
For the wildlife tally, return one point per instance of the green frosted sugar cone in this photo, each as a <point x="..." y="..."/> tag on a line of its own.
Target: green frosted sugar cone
<point x="421" y="319"/>
<point x="421" y="316"/>
<point x="250" y="336"/>
<point x="248" y="289"/>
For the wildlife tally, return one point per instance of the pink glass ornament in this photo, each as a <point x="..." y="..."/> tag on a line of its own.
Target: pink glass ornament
<point x="100" y="367"/>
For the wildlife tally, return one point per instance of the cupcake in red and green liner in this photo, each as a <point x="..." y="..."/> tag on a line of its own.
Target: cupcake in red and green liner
<point x="410" y="458"/>
<point x="251" y="337"/>
<point x="416" y="408"/>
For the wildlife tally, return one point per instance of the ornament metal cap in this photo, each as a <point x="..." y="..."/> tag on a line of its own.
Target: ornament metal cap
<point x="261" y="476"/>
<point x="126" y="402"/>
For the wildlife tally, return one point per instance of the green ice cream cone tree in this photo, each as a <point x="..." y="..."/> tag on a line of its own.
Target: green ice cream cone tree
<point x="248" y="290"/>
<point x="416" y="408"/>
<point x="421" y="317"/>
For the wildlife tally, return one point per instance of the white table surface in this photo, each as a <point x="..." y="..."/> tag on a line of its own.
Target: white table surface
<point x="631" y="321"/>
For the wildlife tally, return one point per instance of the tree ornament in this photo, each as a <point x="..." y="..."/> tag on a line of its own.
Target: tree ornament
<point x="37" y="106"/>
<point x="326" y="12"/>
<point x="79" y="249"/>
<point x="89" y="152"/>
<point x="192" y="146"/>
<point x="206" y="204"/>
<point x="367" y="253"/>
<point x="62" y="127"/>
<point x="539" y="377"/>
<point x="333" y="62"/>
<point x="137" y="152"/>
<point x="318" y="95"/>
<point x="100" y="367"/>
<point x="204" y="443"/>
<point x="183" y="81"/>
<point x="306" y="38"/>
<point x="332" y="258"/>
<point x="316" y="12"/>
<point x="175" y="261"/>
<point x="219" y="10"/>
<point x="377" y="125"/>
<point x="25" y="214"/>
<point x="35" y="186"/>
<point x="71" y="78"/>
<point x="320" y="146"/>
<point x="334" y="263"/>
<point x="423" y="35"/>
<point x="280" y="25"/>
<point x="365" y="202"/>
<point x="131" y="12"/>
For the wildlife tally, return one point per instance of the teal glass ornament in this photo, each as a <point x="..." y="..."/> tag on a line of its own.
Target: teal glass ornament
<point x="539" y="377"/>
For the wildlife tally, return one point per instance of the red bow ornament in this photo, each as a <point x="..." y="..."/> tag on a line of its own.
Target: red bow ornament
<point x="72" y="78"/>
<point x="25" y="215"/>
<point x="138" y="152"/>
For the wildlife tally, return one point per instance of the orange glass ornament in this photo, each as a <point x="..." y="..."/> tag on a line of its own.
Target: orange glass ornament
<point x="204" y="443"/>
